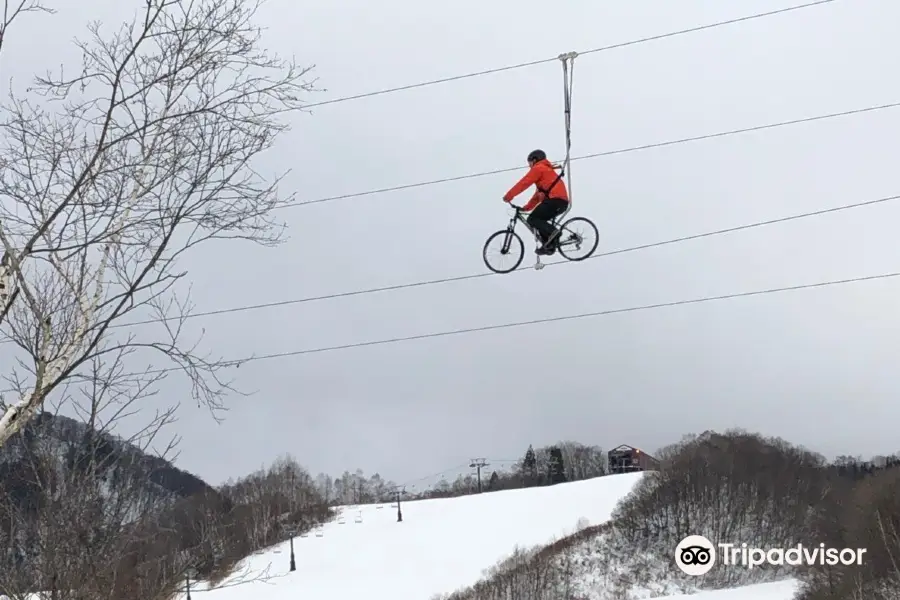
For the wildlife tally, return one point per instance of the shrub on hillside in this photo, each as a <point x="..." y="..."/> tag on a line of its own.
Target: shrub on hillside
<point x="576" y="567"/>
<point x="863" y="515"/>
<point x="548" y="572"/>
<point x="730" y="488"/>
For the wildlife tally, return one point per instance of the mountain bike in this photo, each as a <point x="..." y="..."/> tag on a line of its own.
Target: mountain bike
<point x="574" y="236"/>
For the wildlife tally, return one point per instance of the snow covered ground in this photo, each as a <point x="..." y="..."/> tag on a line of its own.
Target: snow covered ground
<point x="778" y="590"/>
<point x="441" y="546"/>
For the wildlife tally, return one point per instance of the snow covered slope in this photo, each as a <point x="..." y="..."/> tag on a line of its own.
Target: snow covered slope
<point x="441" y="545"/>
<point x="778" y="590"/>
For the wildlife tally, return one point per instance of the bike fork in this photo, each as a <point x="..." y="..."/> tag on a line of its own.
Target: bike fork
<point x="507" y="242"/>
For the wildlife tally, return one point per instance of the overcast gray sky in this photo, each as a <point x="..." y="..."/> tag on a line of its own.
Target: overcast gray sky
<point x="816" y="367"/>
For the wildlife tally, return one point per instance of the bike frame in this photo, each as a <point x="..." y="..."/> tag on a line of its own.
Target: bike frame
<point x="511" y="228"/>
<point x="559" y="222"/>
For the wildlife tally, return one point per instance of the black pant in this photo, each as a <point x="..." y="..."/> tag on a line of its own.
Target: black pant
<point x="545" y="212"/>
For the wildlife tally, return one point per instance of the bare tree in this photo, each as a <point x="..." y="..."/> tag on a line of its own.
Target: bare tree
<point x="12" y="10"/>
<point x="865" y="516"/>
<point x="108" y="178"/>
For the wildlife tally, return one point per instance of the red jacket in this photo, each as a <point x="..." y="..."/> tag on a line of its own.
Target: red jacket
<point x="541" y="175"/>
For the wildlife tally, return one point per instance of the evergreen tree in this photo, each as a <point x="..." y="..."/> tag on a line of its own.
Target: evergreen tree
<point x="529" y="467"/>
<point x="557" y="469"/>
<point x="493" y="481"/>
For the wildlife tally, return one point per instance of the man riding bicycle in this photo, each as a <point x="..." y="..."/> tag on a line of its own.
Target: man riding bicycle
<point x="549" y="201"/>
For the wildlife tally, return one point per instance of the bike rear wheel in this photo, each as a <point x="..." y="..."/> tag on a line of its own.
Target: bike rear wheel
<point x="578" y="239"/>
<point x="503" y="248"/>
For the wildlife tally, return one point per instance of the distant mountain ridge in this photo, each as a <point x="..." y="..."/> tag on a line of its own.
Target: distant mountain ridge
<point x="68" y="441"/>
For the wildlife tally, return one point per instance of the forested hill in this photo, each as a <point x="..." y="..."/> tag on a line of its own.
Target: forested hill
<point x="58" y="445"/>
<point x="62" y="485"/>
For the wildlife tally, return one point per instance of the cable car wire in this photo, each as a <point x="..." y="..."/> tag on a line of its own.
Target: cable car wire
<point x="685" y="140"/>
<point x="495" y="327"/>
<point x="542" y="61"/>
<point x="443" y="280"/>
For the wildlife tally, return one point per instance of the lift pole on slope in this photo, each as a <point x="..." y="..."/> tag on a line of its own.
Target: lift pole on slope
<point x="479" y="463"/>
<point x="292" y="531"/>
<point x="399" y="491"/>
<point x="190" y="573"/>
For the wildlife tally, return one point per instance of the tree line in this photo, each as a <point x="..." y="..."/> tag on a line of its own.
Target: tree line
<point x="548" y="465"/>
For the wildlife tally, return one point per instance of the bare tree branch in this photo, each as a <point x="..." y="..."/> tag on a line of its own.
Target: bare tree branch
<point x="109" y="178"/>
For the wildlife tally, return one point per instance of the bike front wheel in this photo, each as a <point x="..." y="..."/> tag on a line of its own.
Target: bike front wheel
<point x="503" y="251"/>
<point x="578" y="239"/>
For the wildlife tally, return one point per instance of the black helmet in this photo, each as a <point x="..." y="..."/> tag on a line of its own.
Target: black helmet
<point x="536" y="156"/>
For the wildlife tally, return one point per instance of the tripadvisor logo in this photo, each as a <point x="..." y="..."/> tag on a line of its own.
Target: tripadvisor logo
<point x="696" y="555"/>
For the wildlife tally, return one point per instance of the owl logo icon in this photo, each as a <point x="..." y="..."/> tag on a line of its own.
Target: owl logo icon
<point x="695" y="555"/>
